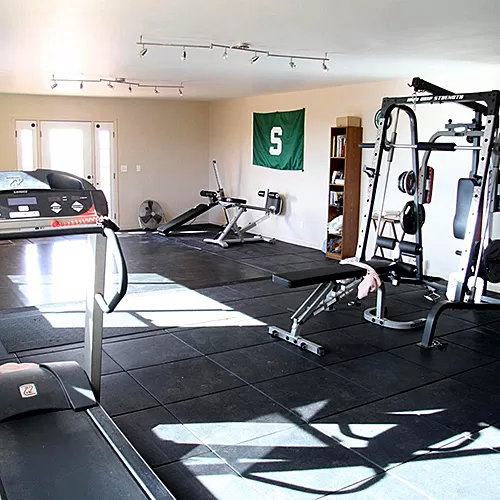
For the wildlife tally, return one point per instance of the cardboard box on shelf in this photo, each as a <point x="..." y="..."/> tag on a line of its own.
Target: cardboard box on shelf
<point x="348" y="121"/>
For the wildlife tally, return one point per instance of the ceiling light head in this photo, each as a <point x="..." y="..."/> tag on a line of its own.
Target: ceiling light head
<point x="156" y="91"/>
<point x="110" y="86"/>
<point x="183" y="54"/>
<point x="181" y="93"/>
<point x="143" y="51"/>
<point x="292" y="63"/>
<point x="254" y="58"/>
<point x="325" y="67"/>
<point x="81" y="85"/>
<point x="130" y="88"/>
<point x="54" y="84"/>
<point x="225" y="55"/>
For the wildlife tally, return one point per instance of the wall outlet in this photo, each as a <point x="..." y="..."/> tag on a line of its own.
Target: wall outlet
<point x="123" y="168"/>
<point x="138" y="168"/>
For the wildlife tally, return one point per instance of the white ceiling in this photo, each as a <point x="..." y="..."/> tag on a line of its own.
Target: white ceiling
<point x="366" y="40"/>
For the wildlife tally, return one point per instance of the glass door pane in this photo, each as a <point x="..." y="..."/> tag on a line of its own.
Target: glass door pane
<point x="67" y="146"/>
<point x="26" y="142"/>
<point x="104" y="174"/>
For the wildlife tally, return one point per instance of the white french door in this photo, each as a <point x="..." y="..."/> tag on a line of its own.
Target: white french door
<point x="85" y="149"/>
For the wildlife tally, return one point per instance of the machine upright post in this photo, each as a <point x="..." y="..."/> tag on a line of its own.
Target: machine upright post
<point x="92" y="363"/>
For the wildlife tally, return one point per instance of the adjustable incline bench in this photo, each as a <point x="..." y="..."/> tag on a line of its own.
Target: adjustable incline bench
<point x="333" y="284"/>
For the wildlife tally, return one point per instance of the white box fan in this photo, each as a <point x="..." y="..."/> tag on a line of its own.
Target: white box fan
<point x="150" y="214"/>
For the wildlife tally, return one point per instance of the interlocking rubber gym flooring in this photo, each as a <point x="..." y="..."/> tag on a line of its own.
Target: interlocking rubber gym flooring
<point x="221" y="410"/>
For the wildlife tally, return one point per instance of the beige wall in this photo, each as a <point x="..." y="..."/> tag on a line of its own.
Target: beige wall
<point x="306" y="193"/>
<point x="169" y="139"/>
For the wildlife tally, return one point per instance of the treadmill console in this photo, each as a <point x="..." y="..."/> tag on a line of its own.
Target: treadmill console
<point x="42" y="201"/>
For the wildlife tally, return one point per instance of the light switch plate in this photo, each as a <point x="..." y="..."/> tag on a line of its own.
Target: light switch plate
<point x="123" y="168"/>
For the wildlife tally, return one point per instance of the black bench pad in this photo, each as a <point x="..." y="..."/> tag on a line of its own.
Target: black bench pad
<point x="335" y="272"/>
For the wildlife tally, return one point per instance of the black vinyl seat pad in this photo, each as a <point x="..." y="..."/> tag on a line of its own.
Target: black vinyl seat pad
<point x="307" y="277"/>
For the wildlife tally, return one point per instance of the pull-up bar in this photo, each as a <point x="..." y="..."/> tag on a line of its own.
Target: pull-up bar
<point x="420" y="85"/>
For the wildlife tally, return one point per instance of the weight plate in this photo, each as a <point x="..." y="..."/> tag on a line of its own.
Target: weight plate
<point x="491" y="262"/>
<point x="408" y="218"/>
<point x="378" y="117"/>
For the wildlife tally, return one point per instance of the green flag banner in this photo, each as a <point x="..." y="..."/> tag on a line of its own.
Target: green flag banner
<point x="278" y="140"/>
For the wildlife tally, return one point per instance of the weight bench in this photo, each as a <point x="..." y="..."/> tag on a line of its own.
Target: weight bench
<point x="333" y="284"/>
<point x="273" y="206"/>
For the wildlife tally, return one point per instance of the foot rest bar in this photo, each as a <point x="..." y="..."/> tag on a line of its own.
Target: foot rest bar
<point x="303" y="343"/>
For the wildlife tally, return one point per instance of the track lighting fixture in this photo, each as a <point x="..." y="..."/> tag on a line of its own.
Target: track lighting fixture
<point x="111" y="82"/>
<point x="244" y="47"/>
<point x="144" y="50"/>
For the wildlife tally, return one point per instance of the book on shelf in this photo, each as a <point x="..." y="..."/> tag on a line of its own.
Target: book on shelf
<point x="338" y="146"/>
<point x="337" y="177"/>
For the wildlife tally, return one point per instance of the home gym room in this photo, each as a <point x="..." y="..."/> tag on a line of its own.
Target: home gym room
<point x="248" y="251"/>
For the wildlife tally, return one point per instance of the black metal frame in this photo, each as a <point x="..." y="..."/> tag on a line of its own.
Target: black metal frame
<point x="482" y="169"/>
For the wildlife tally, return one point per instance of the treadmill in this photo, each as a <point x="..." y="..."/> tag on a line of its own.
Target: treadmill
<point x="56" y="441"/>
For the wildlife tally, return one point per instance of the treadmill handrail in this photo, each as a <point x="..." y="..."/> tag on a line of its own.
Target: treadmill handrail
<point x="116" y="252"/>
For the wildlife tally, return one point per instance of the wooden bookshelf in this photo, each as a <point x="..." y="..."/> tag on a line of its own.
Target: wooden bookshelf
<point x="344" y="189"/>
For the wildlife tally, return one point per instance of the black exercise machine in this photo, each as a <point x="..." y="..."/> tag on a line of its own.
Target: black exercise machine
<point x="57" y="442"/>
<point x="476" y="201"/>
<point x="201" y="208"/>
<point x="272" y="206"/>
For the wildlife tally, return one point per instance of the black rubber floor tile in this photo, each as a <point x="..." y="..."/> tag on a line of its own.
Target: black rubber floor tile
<point x="457" y="470"/>
<point x="149" y="351"/>
<point x="185" y="379"/>
<point x="453" y="404"/>
<point x="485" y="378"/>
<point x="339" y="347"/>
<point x="381" y="487"/>
<point x="478" y="318"/>
<point x="159" y="437"/>
<point x="277" y="260"/>
<point x="331" y="393"/>
<point x="414" y="297"/>
<point x="221" y="294"/>
<point x="383" y="338"/>
<point x="108" y="365"/>
<point x="120" y="393"/>
<point x="233" y="416"/>
<point x="209" y="340"/>
<point x="261" y="288"/>
<point x="384" y="373"/>
<point x="446" y="324"/>
<point x="385" y="432"/>
<point x="449" y="360"/>
<point x="206" y="477"/>
<point x="297" y="463"/>
<point x="258" y="307"/>
<point x="481" y="340"/>
<point x="262" y="362"/>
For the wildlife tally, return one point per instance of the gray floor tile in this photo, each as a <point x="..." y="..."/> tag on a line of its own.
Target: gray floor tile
<point x="158" y="436"/>
<point x="233" y="416"/>
<point x="185" y="379"/>
<point x="206" y="477"/>
<point x="385" y="432"/>
<point x="297" y="463"/>
<point x="458" y="470"/>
